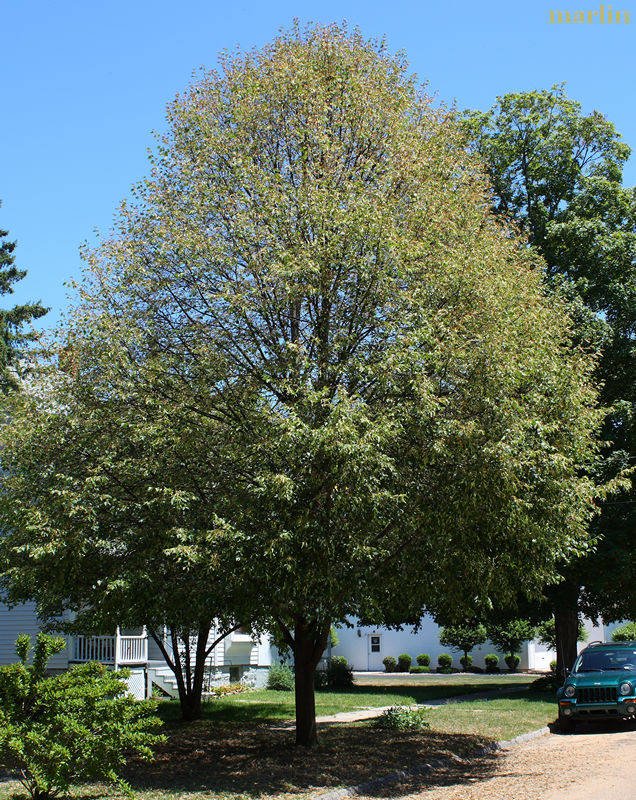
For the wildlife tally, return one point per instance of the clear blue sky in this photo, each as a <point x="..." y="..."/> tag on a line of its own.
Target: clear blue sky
<point x="83" y="84"/>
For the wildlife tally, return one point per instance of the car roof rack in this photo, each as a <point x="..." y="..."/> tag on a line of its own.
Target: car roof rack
<point x="610" y="644"/>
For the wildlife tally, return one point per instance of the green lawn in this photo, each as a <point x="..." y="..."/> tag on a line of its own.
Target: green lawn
<point x="231" y="757"/>
<point x="262" y="705"/>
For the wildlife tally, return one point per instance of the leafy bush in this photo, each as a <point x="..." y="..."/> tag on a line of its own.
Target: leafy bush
<point x="444" y="660"/>
<point x="280" y="678"/>
<point x="320" y="679"/>
<point x="404" y="662"/>
<point x="423" y="660"/>
<point x="445" y="670"/>
<point x="466" y="661"/>
<point x="339" y="673"/>
<point x="74" y="727"/>
<point x="626" y="633"/>
<point x="512" y="661"/>
<point x="390" y="664"/>
<point x="403" y="718"/>
<point x="553" y="666"/>
<point x="419" y="669"/>
<point x="491" y="661"/>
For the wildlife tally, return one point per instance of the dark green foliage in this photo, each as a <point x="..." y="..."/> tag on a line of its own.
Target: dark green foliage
<point x="424" y="660"/>
<point x="463" y="637"/>
<point x="466" y="661"/>
<point x="510" y="636"/>
<point x="280" y="678"/>
<point x="444" y="659"/>
<point x="77" y="726"/>
<point x="390" y="664"/>
<point x="339" y="673"/>
<point x="12" y="320"/>
<point x="546" y="632"/>
<point x="512" y="661"/>
<point x="491" y="661"/>
<point x="419" y="669"/>
<point x="553" y="666"/>
<point x="404" y="662"/>
<point x="626" y="633"/>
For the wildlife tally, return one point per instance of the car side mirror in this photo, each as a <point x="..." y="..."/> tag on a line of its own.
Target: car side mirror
<point x="565" y="671"/>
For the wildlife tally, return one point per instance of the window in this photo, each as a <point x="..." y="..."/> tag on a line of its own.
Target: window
<point x="375" y="644"/>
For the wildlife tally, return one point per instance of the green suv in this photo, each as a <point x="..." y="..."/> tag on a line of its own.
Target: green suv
<point x="602" y="685"/>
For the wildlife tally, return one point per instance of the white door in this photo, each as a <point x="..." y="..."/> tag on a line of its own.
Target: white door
<point x="374" y="650"/>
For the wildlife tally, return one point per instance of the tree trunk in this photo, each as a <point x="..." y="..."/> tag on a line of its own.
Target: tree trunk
<point x="309" y="645"/>
<point x="566" y="627"/>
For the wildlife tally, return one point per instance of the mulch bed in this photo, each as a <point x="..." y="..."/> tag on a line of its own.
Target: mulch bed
<point x="261" y="761"/>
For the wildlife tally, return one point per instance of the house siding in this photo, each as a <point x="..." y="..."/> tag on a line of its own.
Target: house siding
<point x="22" y="619"/>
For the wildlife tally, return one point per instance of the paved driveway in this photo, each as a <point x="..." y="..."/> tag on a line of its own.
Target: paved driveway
<point x="597" y="763"/>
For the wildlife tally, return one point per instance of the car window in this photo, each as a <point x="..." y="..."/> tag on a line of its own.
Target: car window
<point x="619" y="659"/>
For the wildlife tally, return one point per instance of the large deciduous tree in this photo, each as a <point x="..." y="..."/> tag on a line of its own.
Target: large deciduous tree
<point x="13" y="337"/>
<point x="312" y="267"/>
<point x="557" y="173"/>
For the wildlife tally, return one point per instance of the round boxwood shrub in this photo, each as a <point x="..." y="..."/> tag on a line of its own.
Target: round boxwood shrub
<point x="419" y="670"/>
<point x="512" y="661"/>
<point x="423" y="660"/>
<point x="390" y="664"/>
<point x="445" y="660"/>
<point x="404" y="662"/>
<point x="491" y="661"/>
<point x="339" y="673"/>
<point x="280" y="678"/>
<point x="466" y="661"/>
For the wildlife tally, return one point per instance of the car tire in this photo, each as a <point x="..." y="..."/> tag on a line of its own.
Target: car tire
<point x="567" y="725"/>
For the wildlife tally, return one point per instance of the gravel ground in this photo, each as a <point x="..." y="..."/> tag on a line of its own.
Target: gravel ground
<point x="593" y="764"/>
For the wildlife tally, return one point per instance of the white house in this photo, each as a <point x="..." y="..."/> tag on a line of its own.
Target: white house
<point x="366" y="646"/>
<point x="238" y="657"/>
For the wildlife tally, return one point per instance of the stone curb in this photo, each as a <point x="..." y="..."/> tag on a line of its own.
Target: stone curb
<point x="423" y="769"/>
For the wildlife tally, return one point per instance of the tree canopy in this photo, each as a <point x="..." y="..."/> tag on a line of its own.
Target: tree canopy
<point x="312" y="273"/>
<point x="557" y="173"/>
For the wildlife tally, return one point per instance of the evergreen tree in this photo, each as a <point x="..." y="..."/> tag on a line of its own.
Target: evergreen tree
<point x="13" y="338"/>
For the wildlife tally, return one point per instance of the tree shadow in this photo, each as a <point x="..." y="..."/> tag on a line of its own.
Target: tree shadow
<point x="263" y="760"/>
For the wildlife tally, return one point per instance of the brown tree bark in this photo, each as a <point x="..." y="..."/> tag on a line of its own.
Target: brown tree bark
<point x="309" y="642"/>
<point x="566" y="625"/>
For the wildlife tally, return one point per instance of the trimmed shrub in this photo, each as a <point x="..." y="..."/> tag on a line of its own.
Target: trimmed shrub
<point x="626" y="633"/>
<point x="553" y="666"/>
<point x="390" y="664"/>
<point x="228" y="688"/>
<point x="491" y="661"/>
<point x="404" y="662"/>
<point x="445" y="670"/>
<point x="80" y="726"/>
<point x="445" y="660"/>
<point x="423" y="660"/>
<point x="403" y="718"/>
<point x="466" y="661"/>
<point x="419" y="670"/>
<point x="339" y="673"/>
<point x="512" y="661"/>
<point x="280" y="678"/>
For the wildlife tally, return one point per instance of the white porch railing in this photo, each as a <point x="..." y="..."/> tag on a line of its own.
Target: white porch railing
<point x="117" y="650"/>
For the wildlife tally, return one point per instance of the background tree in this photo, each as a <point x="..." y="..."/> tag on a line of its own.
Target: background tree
<point x="313" y="265"/>
<point x="509" y="637"/>
<point x="557" y="173"/>
<point x="463" y="638"/>
<point x="100" y="482"/>
<point x="13" y="338"/>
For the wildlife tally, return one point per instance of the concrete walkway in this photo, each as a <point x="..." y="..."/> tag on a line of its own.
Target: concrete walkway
<point x="361" y="714"/>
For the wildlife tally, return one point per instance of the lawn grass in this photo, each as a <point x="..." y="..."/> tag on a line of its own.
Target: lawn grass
<point x="267" y="705"/>
<point x="229" y="759"/>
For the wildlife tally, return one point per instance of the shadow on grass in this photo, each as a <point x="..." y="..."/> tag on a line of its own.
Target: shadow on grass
<point x="262" y="761"/>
